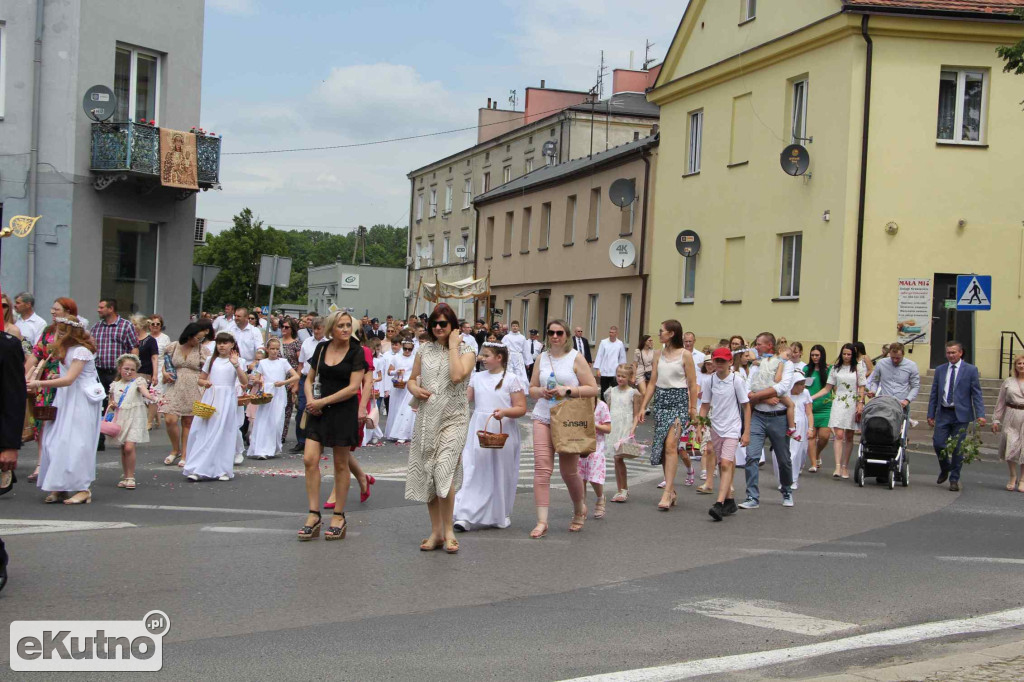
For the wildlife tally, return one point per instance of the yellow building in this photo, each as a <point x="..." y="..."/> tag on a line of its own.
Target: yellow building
<point x="915" y="138"/>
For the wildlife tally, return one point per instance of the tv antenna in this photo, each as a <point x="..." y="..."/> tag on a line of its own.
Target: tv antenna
<point x="360" y="241"/>
<point x="512" y="98"/>
<point x="648" y="60"/>
<point x="601" y="69"/>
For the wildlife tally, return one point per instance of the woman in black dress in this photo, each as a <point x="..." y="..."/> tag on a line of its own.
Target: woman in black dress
<point x="332" y="419"/>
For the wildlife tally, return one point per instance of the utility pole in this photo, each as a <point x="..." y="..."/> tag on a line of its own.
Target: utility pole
<point x="360" y="241"/>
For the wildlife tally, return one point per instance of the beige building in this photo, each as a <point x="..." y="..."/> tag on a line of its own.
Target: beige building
<point x="545" y="241"/>
<point x="511" y="144"/>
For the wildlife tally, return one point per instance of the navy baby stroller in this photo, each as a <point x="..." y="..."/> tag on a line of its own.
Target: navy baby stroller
<point x="883" y="443"/>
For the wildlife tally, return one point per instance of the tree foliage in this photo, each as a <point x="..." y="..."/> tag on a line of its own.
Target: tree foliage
<point x="237" y="251"/>
<point x="1013" y="55"/>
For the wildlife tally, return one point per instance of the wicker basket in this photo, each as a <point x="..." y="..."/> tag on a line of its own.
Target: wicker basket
<point x="398" y="384"/>
<point x="262" y="398"/>
<point x="244" y="399"/>
<point x="44" y="413"/>
<point x="490" y="440"/>
<point x="202" y="410"/>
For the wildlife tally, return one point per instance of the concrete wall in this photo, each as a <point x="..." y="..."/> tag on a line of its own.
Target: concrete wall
<point x="496" y="122"/>
<point x="542" y="102"/>
<point x="628" y="80"/>
<point x="379" y="293"/>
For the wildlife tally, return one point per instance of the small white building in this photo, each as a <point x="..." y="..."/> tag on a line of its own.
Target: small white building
<point x="363" y="289"/>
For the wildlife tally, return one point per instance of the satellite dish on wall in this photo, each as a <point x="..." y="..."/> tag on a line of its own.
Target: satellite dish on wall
<point x="687" y="243"/>
<point x="622" y="253"/>
<point x="549" y="148"/>
<point x="622" y="192"/>
<point x="795" y="159"/>
<point x="99" y="103"/>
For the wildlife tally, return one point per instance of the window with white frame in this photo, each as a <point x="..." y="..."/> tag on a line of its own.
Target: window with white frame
<point x="568" y="310"/>
<point x="529" y="165"/>
<point x="433" y="202"/>
<point x="485" y="183"/>
<point x="790" y="269"/>
<point x="467" y="192"/>
<point x="696" y="138"/>
<point x="444" y="249"/>
<point x="506" y="174"/>
<point x="798" y="126"/>
<point x="448" y="198"/>
<point x="136" y="84"/>
<point x="689" y="279"/>
<point x="962" y="104"/>
<point x="418" y="252"/>
<point x="419" y="206"/>
<point x="525" y="317"/>
<point x="592" y="322"/>
<point x="3" y="65"/>
<point x="749" y="9"/>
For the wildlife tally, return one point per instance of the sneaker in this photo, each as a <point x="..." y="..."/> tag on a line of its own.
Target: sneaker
<point x="729" y="507"/>
<point x="749" y="503"/>
<point x="238" y="458"/>
<point x="787" y="500"/>
<point x="795" y="486"/>
<point x="459" y="528"/>
<point x="223" y="477"/>
<point x="662" y="484"/>
<point x="716" y="511"/>
<point x="192" y="477"/>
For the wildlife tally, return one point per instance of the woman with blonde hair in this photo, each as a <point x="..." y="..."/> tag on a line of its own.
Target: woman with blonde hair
<point x="68" y="460"/>
<point x="1009" y="418"/>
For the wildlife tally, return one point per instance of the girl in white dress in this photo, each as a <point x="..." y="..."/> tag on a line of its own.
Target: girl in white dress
<point x="401" y="418"/>
<point x="490" y="477"/>
<point x="129" y="400"/>
<point x="393" y="349"/>
<point x="68" y="461"/>
<point x="624" y="404"/>
<point x="804" y="419"/>
<point x="214" y="441"/>
<point x="277" y="376"/>
<point x="847" y="378"/>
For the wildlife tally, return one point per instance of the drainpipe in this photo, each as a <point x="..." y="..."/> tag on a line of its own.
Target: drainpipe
<point x="862" y="198"/>
<point x="33" y="157"/>
<point x="643" y="239"/>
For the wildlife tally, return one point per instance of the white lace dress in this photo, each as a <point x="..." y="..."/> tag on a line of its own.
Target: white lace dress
<point x="68" y="461"/>
<point x="213" y="442"/>
<point x="132" y="415"/>
<point x="268" y="424"/>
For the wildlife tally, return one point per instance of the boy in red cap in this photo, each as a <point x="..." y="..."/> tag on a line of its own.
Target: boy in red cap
<point x="727" y="402"/>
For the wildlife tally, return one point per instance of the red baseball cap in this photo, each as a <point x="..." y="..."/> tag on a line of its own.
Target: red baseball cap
<point x="722" y="354"/>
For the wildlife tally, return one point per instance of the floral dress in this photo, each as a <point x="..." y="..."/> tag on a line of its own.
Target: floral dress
<point x="844" y="406"/>
<point x="179" y="396"/>
<point x="51" y="368"/>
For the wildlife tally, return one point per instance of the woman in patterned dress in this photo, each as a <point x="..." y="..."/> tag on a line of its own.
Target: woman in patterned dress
<point x="62" y="307"/>
<point x="290" y="347"/>
<point x="438" y="381"/>
<point x="187" y="358"/>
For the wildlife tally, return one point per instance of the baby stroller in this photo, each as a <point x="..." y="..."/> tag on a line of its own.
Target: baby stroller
<point x="883" y="443"/>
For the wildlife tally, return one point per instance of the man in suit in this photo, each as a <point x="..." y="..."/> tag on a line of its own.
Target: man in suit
<point x="955" y="402"/>
<point x="582" y="345"/>
<point x="534" y="346"/>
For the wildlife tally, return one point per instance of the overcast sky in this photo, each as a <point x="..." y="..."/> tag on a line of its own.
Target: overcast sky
<point x="331" y="72"/>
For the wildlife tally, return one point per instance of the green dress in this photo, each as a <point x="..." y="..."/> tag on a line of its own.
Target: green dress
<point x="821" y="408"/>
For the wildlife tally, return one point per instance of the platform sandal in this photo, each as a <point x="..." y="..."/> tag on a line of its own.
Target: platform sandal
<point x="337" y="532"/>
<point x="310" y="532"/>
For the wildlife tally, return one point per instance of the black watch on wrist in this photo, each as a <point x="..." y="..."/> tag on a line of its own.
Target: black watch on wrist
<point x="568" y="393"/>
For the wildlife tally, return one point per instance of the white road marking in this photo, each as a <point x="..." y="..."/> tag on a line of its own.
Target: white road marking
<point x="217" y="510"/>
<point x="270" y="531"/>
<point x="766" y="615"/>
<point x="806" y="552"/>
<point x="29" y="526"/>
<point x="981" y="559"/>
<point x="1000" y="620"/>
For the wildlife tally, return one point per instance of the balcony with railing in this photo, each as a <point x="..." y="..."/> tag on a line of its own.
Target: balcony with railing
<point x="131" y="151"/>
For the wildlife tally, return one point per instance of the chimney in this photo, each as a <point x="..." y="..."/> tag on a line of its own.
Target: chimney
<point x="488" y="102"/>
<point x="541" y="83"/>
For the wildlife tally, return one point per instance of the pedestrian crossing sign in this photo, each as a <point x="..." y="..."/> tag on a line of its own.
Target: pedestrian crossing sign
<point x="974" y="292"/>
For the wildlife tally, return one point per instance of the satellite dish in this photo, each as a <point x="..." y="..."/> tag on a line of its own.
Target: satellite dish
<point x="622" y="253"/>
<point x="795" y="159"/>
<point x="622" y="192"/>
<point x="549" y="148"/>
<point x="99" y="102"/>
<point x="687" y="243"/>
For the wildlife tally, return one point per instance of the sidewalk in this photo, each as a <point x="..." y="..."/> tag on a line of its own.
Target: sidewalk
<point x="1002" y="663"/>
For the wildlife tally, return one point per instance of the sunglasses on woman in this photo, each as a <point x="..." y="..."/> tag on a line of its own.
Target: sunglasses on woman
<point x="556" y="332"/>
<point x="443" y="324"/>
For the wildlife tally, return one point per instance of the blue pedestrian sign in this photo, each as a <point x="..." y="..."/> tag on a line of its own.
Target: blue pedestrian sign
<point x="974" y="292"/>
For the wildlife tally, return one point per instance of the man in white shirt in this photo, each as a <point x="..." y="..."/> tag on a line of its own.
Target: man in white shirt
<point x="466" y="330"/>
<point x="305" y="353"/>
<point x="611" y="353"/>
<point x="698" y="357"/>
<point x="248" y="337"/>
<point x="726" y="399"/>
<point x="534" y="347"/>
<point x="768" y="420"/>
<point x="28" y="322"/>
<point x="222" y="322"/>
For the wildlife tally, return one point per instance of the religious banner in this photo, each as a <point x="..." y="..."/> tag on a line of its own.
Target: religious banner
<point x="178" y="159"/>
<point x="465" y="288"/>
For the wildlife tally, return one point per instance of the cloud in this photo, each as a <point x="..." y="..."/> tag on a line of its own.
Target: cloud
<point x="236" y="7"/>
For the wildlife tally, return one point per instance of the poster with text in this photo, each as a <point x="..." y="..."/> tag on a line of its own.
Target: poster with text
<point x="914" y="310"/>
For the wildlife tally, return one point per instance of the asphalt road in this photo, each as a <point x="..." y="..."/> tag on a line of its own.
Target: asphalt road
<point x="637" y="589"/>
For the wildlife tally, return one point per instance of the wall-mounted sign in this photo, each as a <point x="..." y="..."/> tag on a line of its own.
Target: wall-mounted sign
<point x="687" y="243"/>
<point x="914" y="309"/>
<point x="795" y="159"/>
<point x="349" y="281"/>
<point x="622" y="253"/>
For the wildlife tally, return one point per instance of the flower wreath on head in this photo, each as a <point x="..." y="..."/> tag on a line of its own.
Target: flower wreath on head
<point x="494" y="344"/>
<point x="69" y="322"/>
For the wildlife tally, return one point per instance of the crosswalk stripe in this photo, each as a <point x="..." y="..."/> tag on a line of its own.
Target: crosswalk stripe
<point x="766" y="615"/>
<point x="30" y="526"/>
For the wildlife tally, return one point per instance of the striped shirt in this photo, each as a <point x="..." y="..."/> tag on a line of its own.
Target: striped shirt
<point x="113" y="341"/>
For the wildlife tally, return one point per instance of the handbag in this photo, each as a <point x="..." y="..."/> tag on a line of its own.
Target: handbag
<point x="572" y="427"/>
<point x="169" y="369"/>
<point x="629" y="448"/>
<point x="107" y="425"/>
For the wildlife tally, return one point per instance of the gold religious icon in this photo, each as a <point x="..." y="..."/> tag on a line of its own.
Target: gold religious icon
<point x="20" y="226"/>
<point x="178" y="167"/>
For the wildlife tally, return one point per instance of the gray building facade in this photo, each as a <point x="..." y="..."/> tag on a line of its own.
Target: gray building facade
<point x="108" y="227"/>
<point x="363" y="289"/>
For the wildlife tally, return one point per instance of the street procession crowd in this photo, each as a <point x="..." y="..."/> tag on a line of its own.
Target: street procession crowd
<point x="228" y="386"/>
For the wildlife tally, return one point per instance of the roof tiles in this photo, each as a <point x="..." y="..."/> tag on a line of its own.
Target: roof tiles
<point x="943" y="6"/>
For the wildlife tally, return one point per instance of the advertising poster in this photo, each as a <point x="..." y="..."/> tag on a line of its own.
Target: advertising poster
<point x="914" y="310"/>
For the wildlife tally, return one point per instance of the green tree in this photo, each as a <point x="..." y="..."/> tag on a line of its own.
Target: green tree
<point x="1013" y="55"/>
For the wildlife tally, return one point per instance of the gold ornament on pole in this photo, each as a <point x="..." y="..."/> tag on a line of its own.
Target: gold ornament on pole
<point x="20" y="226"/>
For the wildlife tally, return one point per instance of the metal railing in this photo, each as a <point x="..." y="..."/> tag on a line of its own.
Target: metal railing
<point x="135" y="148"/>
<point x="1007" y="341"/>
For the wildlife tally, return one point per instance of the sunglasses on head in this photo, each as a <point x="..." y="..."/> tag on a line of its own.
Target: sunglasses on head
<point x="556" y="332"/>
<point x="443" y="324"/>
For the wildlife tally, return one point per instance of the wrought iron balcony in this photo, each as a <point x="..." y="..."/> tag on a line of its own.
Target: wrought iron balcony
<point x="132" y="150"/>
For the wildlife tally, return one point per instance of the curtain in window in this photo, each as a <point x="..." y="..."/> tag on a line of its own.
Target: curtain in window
<point x="122" y="83"/>
<point x="145" y="88"/>
<point x="947" y="105"/>
<point x="971" y="128"/>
